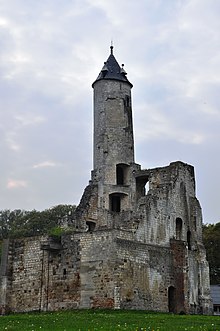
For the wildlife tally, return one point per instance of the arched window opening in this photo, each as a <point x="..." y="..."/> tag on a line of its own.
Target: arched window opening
<point x="119" y="175"/>
<point x="172" y="299"/>
<point x="115" y="203"/>
<point x="189" y="239"/>
<point x="179" y="224"/>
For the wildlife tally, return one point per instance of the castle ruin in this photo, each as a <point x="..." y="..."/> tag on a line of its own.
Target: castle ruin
<point x="137" y="242"/>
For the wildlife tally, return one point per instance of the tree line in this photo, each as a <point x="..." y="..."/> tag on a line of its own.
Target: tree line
<point x="211" y="240"/>
<point x="22" y="223"/>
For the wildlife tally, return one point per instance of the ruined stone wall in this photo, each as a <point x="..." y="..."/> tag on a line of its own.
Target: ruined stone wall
<point x="97" y="263"/>
<point x="99" y="268"/>
<point x="135" y="258"/>
<point x="171" y="195"/>
<point x="87" y="270"/>
<point x="63" y="275"/>
<point x="41" y="276"/>
<point x="105" y="268"/>
<point x="24" y="275"/>
<point x="87" y="208"/>
<point x="144" y="273"/>
<point x="117" y="272"/>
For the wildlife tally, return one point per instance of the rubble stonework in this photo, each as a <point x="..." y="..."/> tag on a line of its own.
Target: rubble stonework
<point x="137" y="242"/>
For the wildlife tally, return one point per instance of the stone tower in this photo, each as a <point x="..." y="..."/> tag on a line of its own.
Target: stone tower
<point x="113" y="146"/>
<point x="113" y="131"/>
<point x="113" y="136"/>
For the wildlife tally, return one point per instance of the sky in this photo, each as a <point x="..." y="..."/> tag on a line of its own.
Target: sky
<point x="51" y="51"/>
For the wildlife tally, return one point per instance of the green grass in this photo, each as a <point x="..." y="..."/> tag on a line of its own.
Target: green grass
<point x="108" y="320"/>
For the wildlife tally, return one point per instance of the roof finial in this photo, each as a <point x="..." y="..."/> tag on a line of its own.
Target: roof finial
<point x="111" y="47"/>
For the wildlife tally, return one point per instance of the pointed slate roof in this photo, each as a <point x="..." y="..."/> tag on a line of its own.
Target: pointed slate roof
<point x="112" y="70"/>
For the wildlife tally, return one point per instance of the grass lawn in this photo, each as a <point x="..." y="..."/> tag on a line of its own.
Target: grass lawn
<point x="107" y="320"/>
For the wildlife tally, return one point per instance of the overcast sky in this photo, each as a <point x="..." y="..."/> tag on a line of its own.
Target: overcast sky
<point x="51" y="51"/>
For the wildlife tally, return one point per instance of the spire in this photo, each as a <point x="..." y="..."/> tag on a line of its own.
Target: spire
<point x="112" y="70"/>
<point x="111" y="47"/>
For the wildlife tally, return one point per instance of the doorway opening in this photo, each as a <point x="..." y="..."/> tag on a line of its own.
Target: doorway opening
<point x="172" y="299"/>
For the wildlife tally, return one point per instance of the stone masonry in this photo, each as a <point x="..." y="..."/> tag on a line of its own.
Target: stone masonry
<point x="137" y="242"/>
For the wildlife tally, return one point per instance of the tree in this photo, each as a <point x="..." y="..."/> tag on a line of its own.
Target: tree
<point x="211" y="239"/>
<point x="21" y="223"/>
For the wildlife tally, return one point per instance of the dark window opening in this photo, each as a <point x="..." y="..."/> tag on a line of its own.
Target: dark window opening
<point x="64" y="272"/>
<point x="119" y="175"/>
<point x="142" y="185"/>
<point x="122" y="171"/>
<point x="171" y="299"/>
<point x="179" y="225"/>
<point x="115" y="203"/>
<point x="189" y="240"/>
<point x="91" y="226"/>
